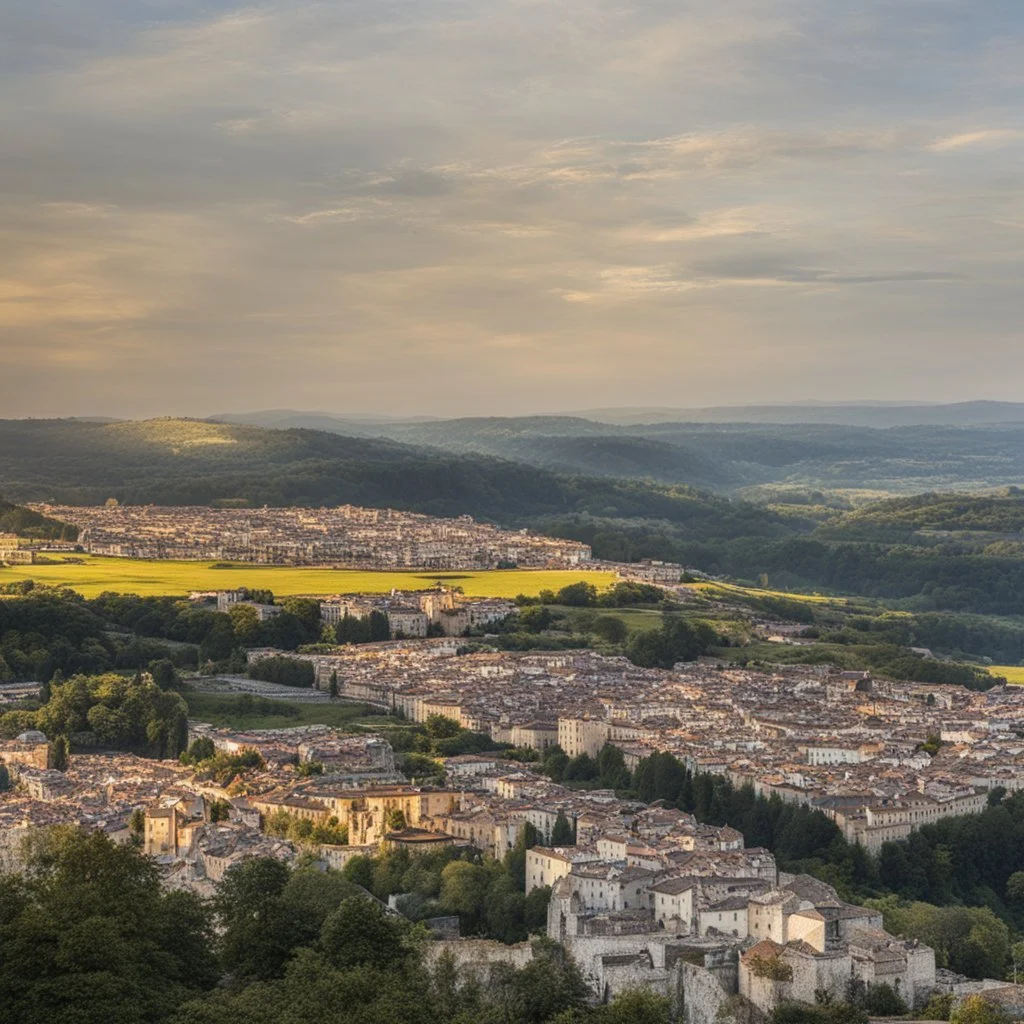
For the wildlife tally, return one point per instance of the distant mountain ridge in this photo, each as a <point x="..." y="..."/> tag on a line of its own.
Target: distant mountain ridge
<point x="974" y="413"/>
<point x="864" y="414"/>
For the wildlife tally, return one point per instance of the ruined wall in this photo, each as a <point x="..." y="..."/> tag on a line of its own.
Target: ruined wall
<point x="616" y="977"/>
<point x="475" y="956"/>
<point x="764" y="993"/>
<point x="701" y="991"/>
<point x="812" y="974"/>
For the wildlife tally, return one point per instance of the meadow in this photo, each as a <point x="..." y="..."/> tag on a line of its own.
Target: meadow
<point x="244" y="711"/>
<point x="717" y="589"/>
<point x="91" y="575"/>
<point x="1011" y="673"/>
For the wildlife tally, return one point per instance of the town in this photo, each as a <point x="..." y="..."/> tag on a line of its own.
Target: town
<point x="359" y="538"/>
<point x="640" y="895"/>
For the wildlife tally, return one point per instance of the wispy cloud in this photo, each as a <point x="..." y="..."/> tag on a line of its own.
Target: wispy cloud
<point x="988" y="137"/>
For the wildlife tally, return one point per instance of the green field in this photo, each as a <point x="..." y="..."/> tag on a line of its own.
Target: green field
<point x="242" y="711"/>
<point x="91" y="575"/>
<point x="1011" y="673"/>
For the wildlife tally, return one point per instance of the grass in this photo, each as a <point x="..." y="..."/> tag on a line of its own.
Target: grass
<point x="91" y="575"/>
<point x="637" y="620"/>
<point x="242" y="711"/>
<point x="732" y="589"/>
<point x="1012" y="673"/>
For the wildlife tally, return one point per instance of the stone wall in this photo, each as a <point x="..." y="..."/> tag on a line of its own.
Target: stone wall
<point x="475" y="956"/>
<point x="701" y="991"/>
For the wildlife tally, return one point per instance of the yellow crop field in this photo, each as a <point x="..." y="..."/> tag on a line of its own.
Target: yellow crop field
<point x="1011" y="673"/>
<point x="717" y="589"/>
<point x="90" y="576"/>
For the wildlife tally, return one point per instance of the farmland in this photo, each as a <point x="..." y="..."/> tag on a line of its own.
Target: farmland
<point x="1011" y="673"/>
<point x="91" y="575"/>
<point x="720" y="590"/>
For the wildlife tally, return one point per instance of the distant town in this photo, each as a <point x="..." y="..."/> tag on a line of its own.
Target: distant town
<point x="361" y="538"/>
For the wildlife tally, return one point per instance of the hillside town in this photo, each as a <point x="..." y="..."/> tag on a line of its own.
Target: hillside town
<point x="644" y="895"/>
<point x="358" y="538"/>
<point x="842" y="742"/>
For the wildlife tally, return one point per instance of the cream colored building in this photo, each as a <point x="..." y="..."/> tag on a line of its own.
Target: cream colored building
<point x="583" y="735"/>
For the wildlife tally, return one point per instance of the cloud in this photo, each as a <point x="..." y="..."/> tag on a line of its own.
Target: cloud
<point x="505" y="199"/>
<point x="988" y="137"/>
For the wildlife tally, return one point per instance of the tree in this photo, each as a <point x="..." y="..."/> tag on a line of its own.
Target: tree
<point x="555" y="762"/>
<point x="976" y="1009"/>
<point x="5" y="778"/>
<point x="562" y="832"/>
<point x="535" y="618"/>
<point x="359" y="871"/>
<point x="284" y="671"/>
<point x="578" y="595"/>
<point x="582" y="768"/>
<point x="220" y="810"/>
<point x="350" y="630"/>
<point x="164" y="674"/>
<point x="611" y="629"/>
<point x="87" y="933"/>
<point x="333" y="688"/>
<point x="59" y="754"/>
<point x="258" y="929"/>
<point x="306" y="613"/>
<point x="636" y="1006"/>
<point x="464" y="890"/>
<point x="200" y="749"/>
<point x="548" y="985"/>
<point x="441" y="727"/>
<point x="515" y="859"/>
<point x="503" y="911"/>
<point x="360" y="933"/>
<point x="1015" y="889"/>
<point x="137" y="823"/>
<point x="380" y="628"/>
<point x="219" y="642"/>
<point x="612" y="770"/>
<point x="968" y="940"/>
<point x="884" y="1001"/>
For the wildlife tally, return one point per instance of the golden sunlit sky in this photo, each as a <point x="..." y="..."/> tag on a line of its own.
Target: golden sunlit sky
<point x="453" y="207"/>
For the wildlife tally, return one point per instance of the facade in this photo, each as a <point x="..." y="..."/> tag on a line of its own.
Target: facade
<point x="583" y="735"/>
<point x="30" y="748"/>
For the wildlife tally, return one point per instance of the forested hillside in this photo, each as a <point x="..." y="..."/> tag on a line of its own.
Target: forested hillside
<point x="26" y="523"/>
<point x="193" y="462"/>
<point x="728" y="456"/>
<point x="952" y="552"/>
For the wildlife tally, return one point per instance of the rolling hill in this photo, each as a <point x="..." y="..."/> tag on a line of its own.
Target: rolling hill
<point x="939" y="551"/>
<point x="170" y="461"/>
<point x="724" y="457"/>
<point x="30" y="524"/>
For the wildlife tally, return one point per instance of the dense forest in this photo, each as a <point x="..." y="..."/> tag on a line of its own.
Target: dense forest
<point x="45" y="630"/>
<point x="180" y="462"/>
<point x="33" y="525"/>
<point x="88" y="934"/>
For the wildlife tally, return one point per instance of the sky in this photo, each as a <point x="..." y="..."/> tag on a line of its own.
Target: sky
<point x="466" y="207"/>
